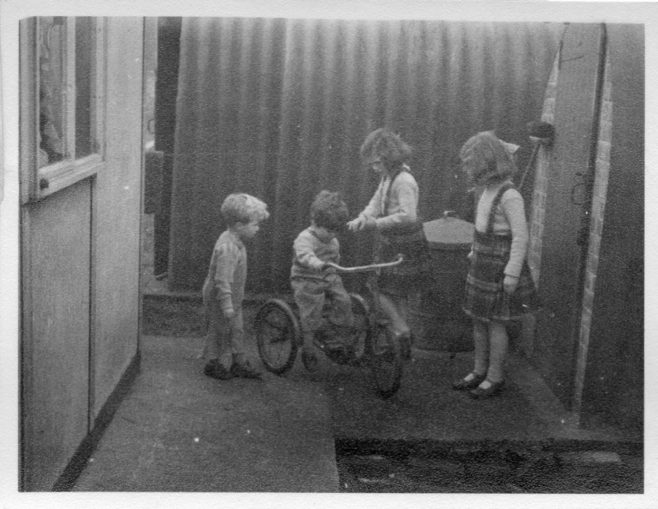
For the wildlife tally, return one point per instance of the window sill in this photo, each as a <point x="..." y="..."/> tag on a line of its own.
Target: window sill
<point x="62" y="175"/>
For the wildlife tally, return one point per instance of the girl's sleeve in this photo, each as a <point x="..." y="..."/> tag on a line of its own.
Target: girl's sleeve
<point x="372" y="209"/>
<point x="227" y="260"/>
<point x="305" y="253"/>
<point x="513" y="208"/>
<point x="406" y="192"/>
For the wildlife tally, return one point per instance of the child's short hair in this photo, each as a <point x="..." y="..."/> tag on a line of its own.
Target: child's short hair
<point x="329" y="211"/>
<point x="243" y="208"/>
<point x="493" y="160"/>
<point x="384" y="144"/>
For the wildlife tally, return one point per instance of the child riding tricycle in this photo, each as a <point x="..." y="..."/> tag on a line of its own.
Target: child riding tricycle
<point x="324" y="316"/>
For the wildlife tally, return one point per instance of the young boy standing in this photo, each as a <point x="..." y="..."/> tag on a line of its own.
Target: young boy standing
<point x="223" y="289"/>
<point x="310" y="276"/>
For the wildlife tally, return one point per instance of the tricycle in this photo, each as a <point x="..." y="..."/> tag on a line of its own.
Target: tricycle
<point x="369" y="342"/>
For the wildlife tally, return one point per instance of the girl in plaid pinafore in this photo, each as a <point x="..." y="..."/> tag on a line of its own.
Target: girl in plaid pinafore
<point x="393" y="214"/>
<point x="499" y="287"/>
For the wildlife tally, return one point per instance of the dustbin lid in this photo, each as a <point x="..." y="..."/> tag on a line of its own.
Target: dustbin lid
<point x="449" y="232"/>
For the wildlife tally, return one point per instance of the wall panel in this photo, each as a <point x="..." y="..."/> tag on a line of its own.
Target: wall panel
<point x="55" y="362"/>
<point x="279" y="108"/>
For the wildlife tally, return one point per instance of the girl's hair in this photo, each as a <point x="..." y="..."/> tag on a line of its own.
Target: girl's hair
<point x="387" y="146"/>
<point x="329" y="211"/>
<point x="492" y="159"/>
<point x="243" y="208"/>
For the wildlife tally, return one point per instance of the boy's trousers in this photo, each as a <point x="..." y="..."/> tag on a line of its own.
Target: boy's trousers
<point x="310" y="297"/>
<point x="225" y="338"/>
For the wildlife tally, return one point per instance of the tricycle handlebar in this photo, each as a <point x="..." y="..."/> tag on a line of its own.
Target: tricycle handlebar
<point x="366" y="268"/>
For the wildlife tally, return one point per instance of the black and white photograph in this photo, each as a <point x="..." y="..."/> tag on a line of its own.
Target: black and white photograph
<point x="337" y="254"/>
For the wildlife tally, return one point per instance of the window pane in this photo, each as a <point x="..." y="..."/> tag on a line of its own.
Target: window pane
<point x="52" y="74"/>
<point x="84" y="65"/>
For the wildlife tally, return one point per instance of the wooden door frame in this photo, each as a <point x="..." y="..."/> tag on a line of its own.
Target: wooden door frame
<point x="580" y="355"/>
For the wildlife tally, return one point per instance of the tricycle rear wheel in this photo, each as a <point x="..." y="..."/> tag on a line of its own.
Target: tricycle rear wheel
<point x="277" y="335"/>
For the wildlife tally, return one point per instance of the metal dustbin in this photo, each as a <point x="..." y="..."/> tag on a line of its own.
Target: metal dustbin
<point x="436" y="316"/>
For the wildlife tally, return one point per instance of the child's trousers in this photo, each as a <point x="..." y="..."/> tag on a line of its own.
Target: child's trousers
<point x="225" y="338"/>
<point x="310" y="296"/>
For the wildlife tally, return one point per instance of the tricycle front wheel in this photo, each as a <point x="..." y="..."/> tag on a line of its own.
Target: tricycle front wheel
<point x="277" y="332"/>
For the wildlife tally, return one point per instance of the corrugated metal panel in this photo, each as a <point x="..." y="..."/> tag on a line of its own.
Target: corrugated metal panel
<point x="278" y="108"/>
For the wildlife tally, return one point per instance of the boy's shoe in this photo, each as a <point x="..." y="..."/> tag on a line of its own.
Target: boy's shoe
<point x="492" y="390"/>
<point x="339" y="354"/>
<point x="334" y="343"/>
<point x="214" y="369"/>
<point x="309" y="359"/>
<point x="245" y="370"/>
<point x="463" y="385"/>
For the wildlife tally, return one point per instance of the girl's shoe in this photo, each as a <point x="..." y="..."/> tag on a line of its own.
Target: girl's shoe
<point x="462" y="384"/>
<point x="492" y="390"/>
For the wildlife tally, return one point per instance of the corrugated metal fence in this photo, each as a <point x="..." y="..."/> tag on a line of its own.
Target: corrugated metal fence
<point x="278" y="108"/>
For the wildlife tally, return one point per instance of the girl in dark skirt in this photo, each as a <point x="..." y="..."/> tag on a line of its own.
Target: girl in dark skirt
<point x="392" y="213"/>
<point x="499" y="287"/>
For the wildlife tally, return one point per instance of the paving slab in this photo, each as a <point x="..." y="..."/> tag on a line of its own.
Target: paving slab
<point x="178" y="430"/>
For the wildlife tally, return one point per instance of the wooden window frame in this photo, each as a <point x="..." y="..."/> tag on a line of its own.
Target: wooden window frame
<point x="38" y="183"/>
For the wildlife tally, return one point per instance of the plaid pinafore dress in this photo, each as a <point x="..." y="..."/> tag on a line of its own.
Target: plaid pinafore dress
<point x="408" y="240"/>
<point x="485" y="298"/>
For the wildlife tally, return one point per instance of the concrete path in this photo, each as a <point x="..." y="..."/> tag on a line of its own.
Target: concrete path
<point x="178" y="430"/>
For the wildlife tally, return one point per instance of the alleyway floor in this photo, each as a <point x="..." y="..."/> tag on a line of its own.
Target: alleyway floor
<point x="178" y="430"/>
